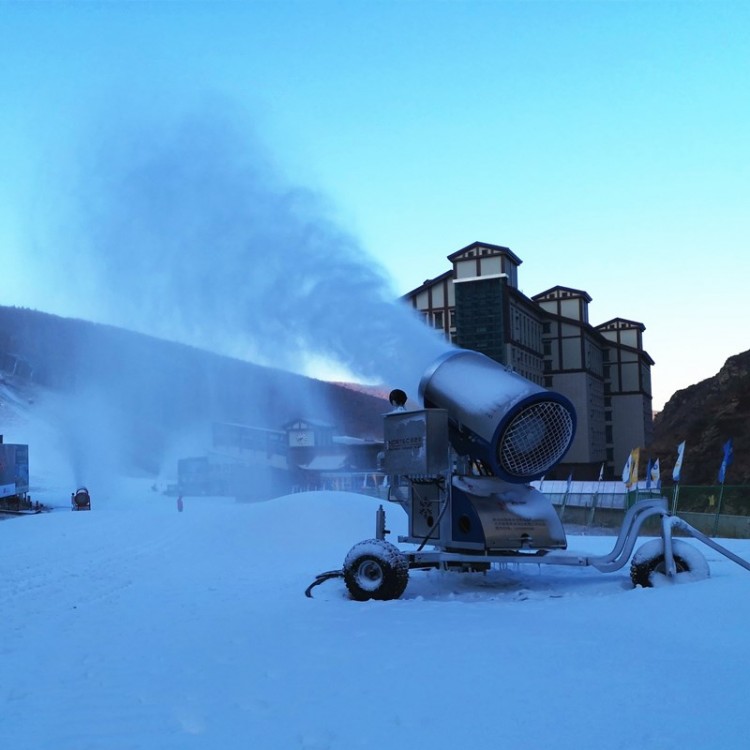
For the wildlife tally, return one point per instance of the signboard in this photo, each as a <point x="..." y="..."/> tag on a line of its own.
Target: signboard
<point x="14" y="469"/>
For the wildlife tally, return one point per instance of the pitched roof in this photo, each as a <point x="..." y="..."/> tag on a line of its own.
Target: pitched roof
<point x="558" y="288"/>
<point x="428" y="283"/>
<point x="499" y="248"/>
<point x="628" y="324"/>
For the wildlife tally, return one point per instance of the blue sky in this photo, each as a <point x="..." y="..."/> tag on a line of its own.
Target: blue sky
<point x="606" y="143"/>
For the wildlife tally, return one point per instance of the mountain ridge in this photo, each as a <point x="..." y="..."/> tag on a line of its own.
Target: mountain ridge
<point x="152" y="389"/>
<point x="163" y="387"/>
<point x="706" y="415"/>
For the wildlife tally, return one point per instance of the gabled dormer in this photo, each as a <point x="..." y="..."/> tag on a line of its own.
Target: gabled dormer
<point x="482" y="260"/>
<point x="565" y="302"/>
<point x="623" y="332"/>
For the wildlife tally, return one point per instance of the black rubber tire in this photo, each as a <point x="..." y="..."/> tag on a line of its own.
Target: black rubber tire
<point x="649" y="560"/>
<point x="375" y="569"/>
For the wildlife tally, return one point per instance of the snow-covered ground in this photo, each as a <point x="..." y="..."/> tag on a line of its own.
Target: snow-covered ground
<point x="136" y="626"/>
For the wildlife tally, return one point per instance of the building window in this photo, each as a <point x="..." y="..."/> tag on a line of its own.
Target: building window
<point x="453" y="318"/>
<point x="438" y="317"/>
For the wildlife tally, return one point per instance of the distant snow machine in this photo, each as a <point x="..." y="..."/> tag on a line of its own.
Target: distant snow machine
<point x="461" y="467"/>
<point x="80" y="499"/>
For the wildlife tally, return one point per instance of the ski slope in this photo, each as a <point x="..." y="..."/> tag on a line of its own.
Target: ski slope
<point x="138" y="627"/>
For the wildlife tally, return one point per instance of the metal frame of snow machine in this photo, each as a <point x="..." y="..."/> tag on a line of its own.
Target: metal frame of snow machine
<point x="461" y="469"/>
<point x="377" y="569"/>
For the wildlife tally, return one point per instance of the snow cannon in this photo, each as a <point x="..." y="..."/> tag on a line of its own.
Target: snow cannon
<point x="80" y="499"/>
<point x="502" y="421"/>
<point x="461" y="469"/>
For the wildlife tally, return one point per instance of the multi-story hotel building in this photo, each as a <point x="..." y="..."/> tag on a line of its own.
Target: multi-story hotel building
<point x="603" y="369"/>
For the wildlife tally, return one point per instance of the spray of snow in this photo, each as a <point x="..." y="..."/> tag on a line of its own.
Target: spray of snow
<point x="185" y="230"/>
<point x="182" y="228"/>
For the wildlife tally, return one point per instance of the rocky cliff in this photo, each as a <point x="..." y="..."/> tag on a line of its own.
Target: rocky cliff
<point x="705" y="416"/>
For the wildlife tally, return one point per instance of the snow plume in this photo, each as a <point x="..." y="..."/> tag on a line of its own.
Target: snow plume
<point x="188" y="232"/>
<point x="89" y="445"/>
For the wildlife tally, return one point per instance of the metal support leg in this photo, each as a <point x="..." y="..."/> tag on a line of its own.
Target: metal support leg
<point x="634" y="519"/>
<point x="666" y="535"/>
<point x="380" y="530"/>
<point x="685" y="526"/>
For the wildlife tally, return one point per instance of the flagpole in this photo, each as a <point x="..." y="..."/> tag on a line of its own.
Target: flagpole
<point x="565" y="496"/>
<point x="676" y="474"/>
<point x="718" y="510"/>
<point x="594" y="501"/>
<point x="636" y="453"/>
<point x="595" y="498"/>
<point x="675" y="495"/>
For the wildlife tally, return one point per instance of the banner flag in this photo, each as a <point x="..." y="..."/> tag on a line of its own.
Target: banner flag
<point x="630" y="470"/>
<point x="656" y="474"/>
<point x="648" y="475"/>
<point x="635" y="455"/>
<point x="726" y="461"/>
<point x="678" y="464"/>
<point x="626" y="469"/>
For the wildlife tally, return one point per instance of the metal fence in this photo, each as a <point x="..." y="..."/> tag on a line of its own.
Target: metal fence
<point x="716" y="510"/>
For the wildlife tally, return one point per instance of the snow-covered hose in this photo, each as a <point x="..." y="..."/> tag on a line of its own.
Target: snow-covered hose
<point x="322" y="578"/>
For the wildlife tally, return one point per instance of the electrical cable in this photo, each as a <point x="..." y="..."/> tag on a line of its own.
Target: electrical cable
<point x="322" y="578"/>
<point x="329" y="574"/>
<point x="440" y="484"/>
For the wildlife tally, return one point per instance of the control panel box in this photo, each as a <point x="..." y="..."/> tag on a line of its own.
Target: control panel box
<point x="416" y="442"/>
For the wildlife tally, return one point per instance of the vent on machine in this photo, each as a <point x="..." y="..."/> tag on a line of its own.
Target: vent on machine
<point x="535" y="439"/>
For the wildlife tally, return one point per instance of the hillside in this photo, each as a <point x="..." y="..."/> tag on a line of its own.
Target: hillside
<point x="705" y="416"/>
<point x="97" y="382"/>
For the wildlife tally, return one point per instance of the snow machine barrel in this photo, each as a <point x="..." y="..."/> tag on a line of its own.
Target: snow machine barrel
<point x="513" y="426"/>
<point x="80" y="499"/>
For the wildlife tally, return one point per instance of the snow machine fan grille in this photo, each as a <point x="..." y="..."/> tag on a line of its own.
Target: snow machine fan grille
<point x="536" y="439"/>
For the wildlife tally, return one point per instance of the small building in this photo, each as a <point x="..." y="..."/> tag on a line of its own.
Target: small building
<point x="255" y="463"/>
<point x="14" y="476"/>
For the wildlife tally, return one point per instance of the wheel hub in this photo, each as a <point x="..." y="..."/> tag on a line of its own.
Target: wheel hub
<point x="369" y="575"/>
